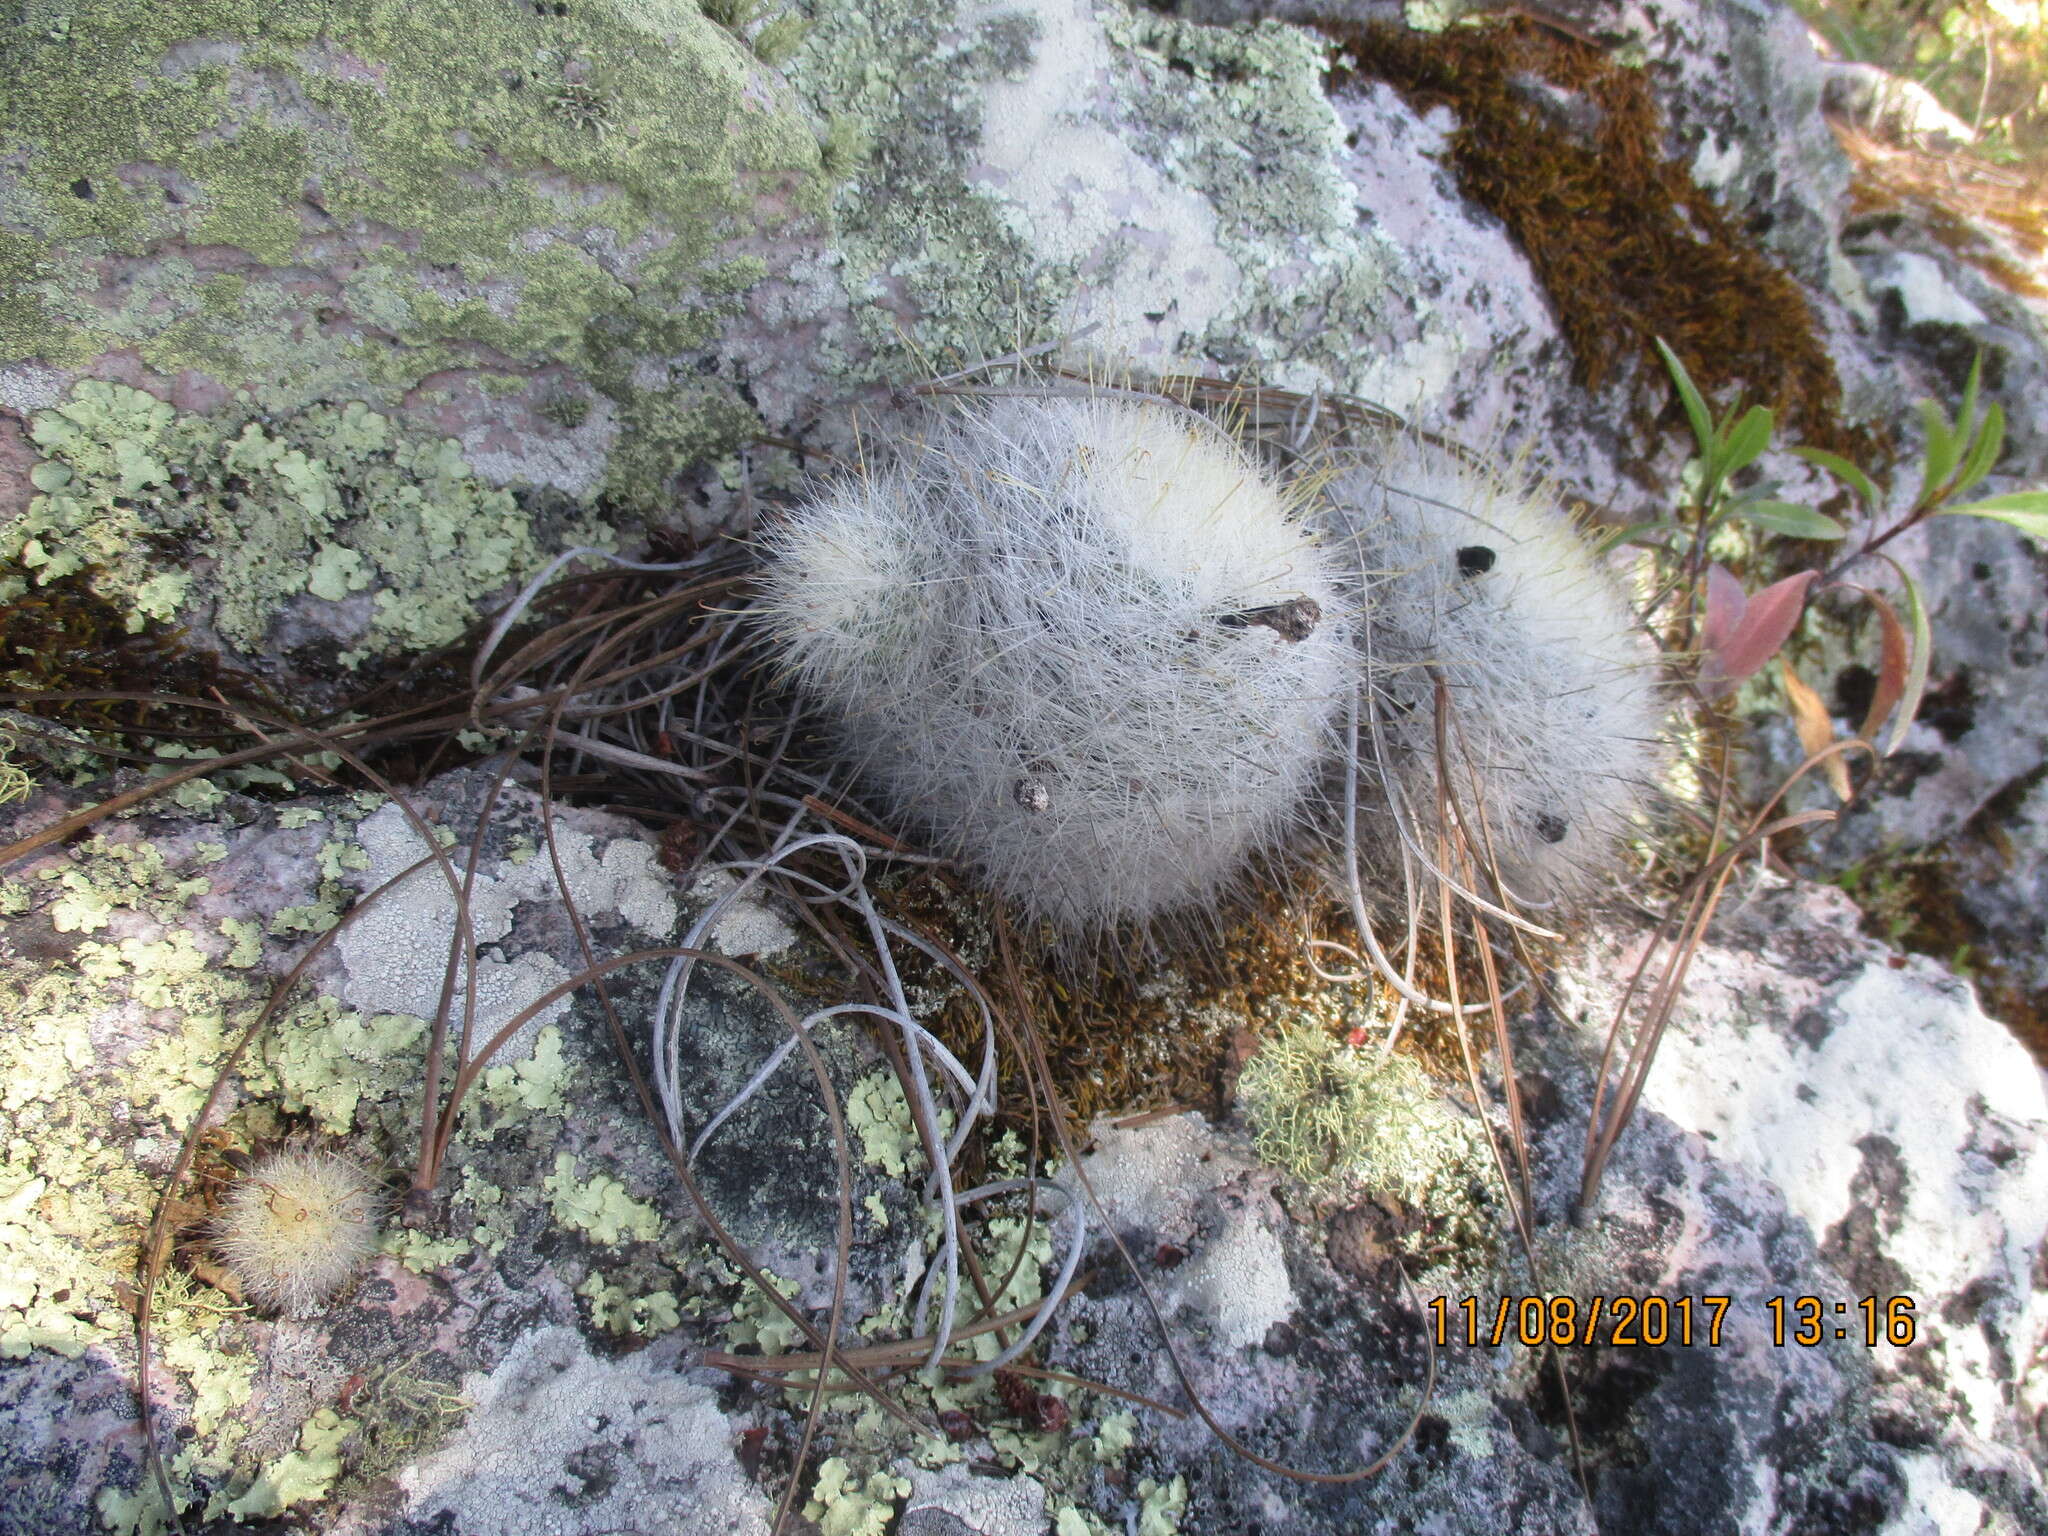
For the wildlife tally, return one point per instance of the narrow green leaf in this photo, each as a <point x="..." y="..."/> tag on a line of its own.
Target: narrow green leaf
<point x="1688" y="394"/>
<point x="1942" y="450"/>
<point x="1922" y="652"/>
<point x="1858" y="482"/>
<point x="1750" y="437"/>
<point x="1791" y="518"/>
<point x="2025" y="510"/>
<point x="1984" y="449"/>
<point x="1966" y="418"/>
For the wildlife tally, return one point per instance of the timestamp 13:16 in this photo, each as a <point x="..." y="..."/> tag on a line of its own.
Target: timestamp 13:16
<point x="1808" y="1320"/>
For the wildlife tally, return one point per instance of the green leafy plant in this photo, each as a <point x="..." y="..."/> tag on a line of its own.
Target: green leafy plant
<point x="1735" y="632"/>
<point x="1738" y="632"/>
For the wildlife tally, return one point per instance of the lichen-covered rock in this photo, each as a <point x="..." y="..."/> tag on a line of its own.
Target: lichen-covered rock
<point x="316" y="334"/>
<point x="1907" y="1136"/>
<point x="290" y="300"/>
<point x="128" y="964"/>
<point x="1186" y="195"/>
<point x="1828" y="1120"/>
<point x="626" y="1444"/>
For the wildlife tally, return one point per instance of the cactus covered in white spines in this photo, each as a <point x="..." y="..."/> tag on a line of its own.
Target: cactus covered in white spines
<point x="1081" y="643"/>
<point x="297" y="1227"/>
<point x="1484" y="581"/>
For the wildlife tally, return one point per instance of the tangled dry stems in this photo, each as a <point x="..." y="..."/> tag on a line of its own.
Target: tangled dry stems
<point x="636" y="684"/>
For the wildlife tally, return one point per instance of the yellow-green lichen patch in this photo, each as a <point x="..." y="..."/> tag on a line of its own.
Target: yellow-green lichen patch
<point x="38" y="1274"/>
<point x="757" y="1323"/>
<point x="557" y="192"/>
<point x="1161" y="1506"/>
<point x="325" y="1060"/>
<point x="131" y="491"/>
<point x="535" y="1085"/>
<point x="106" y="873"/>
<point x="845" y="1505"/>
<point x="1324" y="1112"/>
<point x="599" y="1206"/>
<point x="301" y="1476"/>
<point x="618" y="1311"/>
<point x="246" y="938"/>
<point x="1017" y="1257"/>
<point x="879" y="1116"/>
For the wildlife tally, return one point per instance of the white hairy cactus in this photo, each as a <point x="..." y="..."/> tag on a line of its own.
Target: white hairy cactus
<point x="1484" y="581"/>
<point x="297" y="1227"/>
<point x="1081" y="643"/>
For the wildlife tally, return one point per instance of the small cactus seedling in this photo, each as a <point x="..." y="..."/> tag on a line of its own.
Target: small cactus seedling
<point x="1081" y="642"/>
<point x="297" y="1227"/>
<point x="1483" y="583"/>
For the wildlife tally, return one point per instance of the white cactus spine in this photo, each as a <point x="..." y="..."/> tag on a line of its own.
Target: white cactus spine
<point x="1082" y="643"/>
<point x="1480" y="580"/>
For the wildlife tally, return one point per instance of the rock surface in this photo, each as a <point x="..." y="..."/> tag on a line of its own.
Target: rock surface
<point x="332" y="334"/>
<point x="357" y="326"/>
<point x="1829" y="1119"/>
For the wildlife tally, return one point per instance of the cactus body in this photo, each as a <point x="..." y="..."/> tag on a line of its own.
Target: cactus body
<point x="1080" y="643"/>
<point x="1466" y="576"/>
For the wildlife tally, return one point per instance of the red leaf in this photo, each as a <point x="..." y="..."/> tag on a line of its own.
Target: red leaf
<point x="1767" y="621"/>
<point x="1891" y="672"/>
<point x="1725" y="602"/>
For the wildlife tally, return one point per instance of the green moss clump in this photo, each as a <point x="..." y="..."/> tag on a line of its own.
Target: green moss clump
<point x="1625" y="244"/>
<point x="1323" y="1112"/>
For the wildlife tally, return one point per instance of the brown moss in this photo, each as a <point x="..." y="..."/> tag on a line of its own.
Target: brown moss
<point x="1123" y="1035"/>
<point x="1566" y="148"/>
<point x="62" y="637"/>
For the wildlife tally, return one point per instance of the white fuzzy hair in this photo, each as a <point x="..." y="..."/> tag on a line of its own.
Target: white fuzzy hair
<point x="298" y="1227"/>
<point x="1081" y="642"/>
<point x="1553" y="712"/>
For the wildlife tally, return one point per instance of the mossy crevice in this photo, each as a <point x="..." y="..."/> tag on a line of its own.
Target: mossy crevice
<point x="1567" y="148"/>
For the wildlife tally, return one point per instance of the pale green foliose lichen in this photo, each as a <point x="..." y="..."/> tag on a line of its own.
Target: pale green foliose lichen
<point x="616" y="1310"/>
<point x="300" y="1476"/>
<point x="324" y="1060"/>
<point x="599" y="1206"/>
<point x="329" y="502"/>
<point x="844" y="1505"/>
<point x="879" y="1116"/>
<point x="535" y="1085"/>
<point x="757" y="1323"/>
<point x="1161" y="1506"/>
